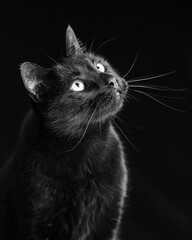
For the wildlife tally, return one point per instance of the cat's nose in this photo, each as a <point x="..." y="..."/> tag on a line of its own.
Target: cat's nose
<point x="113" y="83"/>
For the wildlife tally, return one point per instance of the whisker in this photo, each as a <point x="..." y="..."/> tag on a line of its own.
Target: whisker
<point x="149" y="78"/>
<point x="88" y="123"/>
<point x="99" y="123"/>
<point x="137" y="128"/>
<point x="125" y="136"/>
<point x="155" y="99"/>
<point x="85" y="45"/>
<point x="128" y="117"/>
<point x="160" y="88"/>
<point x="135" y="59"/>
<point x="168" y="97"/>
<point x="131" y="96"/>
<point x="52" y="59"/>
<point x="91" y="46"/>
<point x="102" y="44"/>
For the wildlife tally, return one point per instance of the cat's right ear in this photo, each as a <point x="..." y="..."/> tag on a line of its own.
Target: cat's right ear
<point x="34" y="79"/>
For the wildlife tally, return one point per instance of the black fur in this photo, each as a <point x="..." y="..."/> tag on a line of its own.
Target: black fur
<point x="67" y="178"/>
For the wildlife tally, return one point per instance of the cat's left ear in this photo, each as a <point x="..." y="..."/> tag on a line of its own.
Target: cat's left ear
<point x="34" y="79"/>
<point x="73" y="46"/>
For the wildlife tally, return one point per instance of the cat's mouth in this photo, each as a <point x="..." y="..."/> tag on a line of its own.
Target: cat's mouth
<point x="109" y="103"/>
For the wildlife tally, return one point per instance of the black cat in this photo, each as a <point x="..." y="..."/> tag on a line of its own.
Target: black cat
<point x="68" y="178"/>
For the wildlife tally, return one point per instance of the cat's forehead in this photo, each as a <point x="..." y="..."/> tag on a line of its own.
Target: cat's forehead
<point x="86" y="61"/>
<point x="89" y="60"/>
<point x="82" y="65"/>
<point x="90" y="57"/>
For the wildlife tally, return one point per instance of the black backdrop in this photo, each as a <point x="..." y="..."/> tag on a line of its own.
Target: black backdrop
<point x="159" y="205"/>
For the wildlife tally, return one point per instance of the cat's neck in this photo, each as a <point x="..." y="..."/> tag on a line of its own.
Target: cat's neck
<point x="90" y="137"/>
<point x="60" y="153"/>
<point x="36" y="134"/>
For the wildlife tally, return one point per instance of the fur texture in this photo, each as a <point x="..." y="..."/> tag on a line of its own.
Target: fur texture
<point x="68" y="178"/>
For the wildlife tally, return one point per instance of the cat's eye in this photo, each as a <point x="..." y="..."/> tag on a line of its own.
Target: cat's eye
<point x="100" y="67"/>
<point x="77" y="86"/>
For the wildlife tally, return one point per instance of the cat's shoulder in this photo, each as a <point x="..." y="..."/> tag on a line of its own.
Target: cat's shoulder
<point x="29" y="127"/>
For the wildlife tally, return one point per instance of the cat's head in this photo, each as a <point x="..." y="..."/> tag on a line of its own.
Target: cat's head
<point x="83" y="89"/>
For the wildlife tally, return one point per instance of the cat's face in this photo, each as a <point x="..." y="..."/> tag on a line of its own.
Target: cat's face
<point x="82" y="89"/>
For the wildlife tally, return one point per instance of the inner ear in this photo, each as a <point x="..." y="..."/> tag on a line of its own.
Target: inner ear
<point x="73" y="46"/>
<point x="34" y="78"/>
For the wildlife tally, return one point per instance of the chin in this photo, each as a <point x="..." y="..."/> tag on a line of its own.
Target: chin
<point x="105" y="111"/>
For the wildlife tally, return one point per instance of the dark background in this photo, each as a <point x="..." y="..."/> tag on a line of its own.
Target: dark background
<point x="159" y="205"/>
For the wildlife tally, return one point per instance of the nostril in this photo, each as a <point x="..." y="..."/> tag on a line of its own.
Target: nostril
<point x="113" y="83"/>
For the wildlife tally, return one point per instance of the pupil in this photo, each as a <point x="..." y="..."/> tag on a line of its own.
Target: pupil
<point x="77" y="84"/>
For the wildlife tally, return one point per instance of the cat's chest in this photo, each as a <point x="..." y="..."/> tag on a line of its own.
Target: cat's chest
<point x="69" y="185"/>
<point x="70" y="191"/>
<point x="62" y="177"/>
<point x="71" y="202"/>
